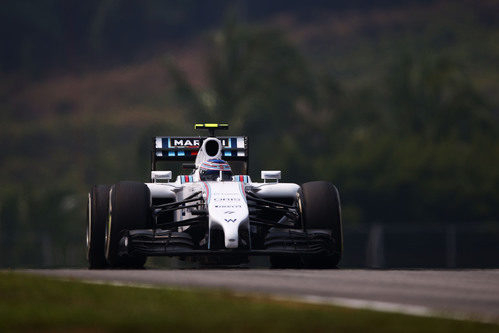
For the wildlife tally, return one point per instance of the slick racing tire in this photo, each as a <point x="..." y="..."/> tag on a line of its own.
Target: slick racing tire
<point x="129" y="208"/>
<point x="319" y="203"/>
<point x="97" y="211"/>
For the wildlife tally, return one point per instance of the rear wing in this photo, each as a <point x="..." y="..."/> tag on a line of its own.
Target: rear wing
<point x="185" y="149"/>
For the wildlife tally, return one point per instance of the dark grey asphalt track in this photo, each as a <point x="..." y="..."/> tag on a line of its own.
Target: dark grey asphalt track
<point x="455" y="293"/>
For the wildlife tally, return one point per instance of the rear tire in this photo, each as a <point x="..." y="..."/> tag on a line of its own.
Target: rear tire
<point x="320" y="209"/>
<point x="97" y="212"/>
<point x="129" y="208"/>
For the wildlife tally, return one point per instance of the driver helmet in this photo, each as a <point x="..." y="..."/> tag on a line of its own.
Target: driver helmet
<point x="213" y="169"/>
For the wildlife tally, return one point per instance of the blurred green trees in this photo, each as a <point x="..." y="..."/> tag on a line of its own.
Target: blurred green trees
<point x="422" y="147"/>
<point x="425" y="150"/>
<point x="40" y="35"/>
<point x="257" y="82"/>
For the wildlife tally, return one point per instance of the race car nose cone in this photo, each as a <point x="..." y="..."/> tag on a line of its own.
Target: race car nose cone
<point x="231" y="243"/>
<point x="227" y="210"/>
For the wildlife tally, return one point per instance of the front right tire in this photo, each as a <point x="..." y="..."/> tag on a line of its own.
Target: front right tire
<point x="97" y="212"/>
<point x="129" y="208"/>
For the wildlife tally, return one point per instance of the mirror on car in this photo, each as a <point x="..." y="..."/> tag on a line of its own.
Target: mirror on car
<point x="157" y="176"/>
<point x="271" y="174"/>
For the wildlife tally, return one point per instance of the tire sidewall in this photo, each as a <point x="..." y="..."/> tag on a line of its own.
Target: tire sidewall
<point x="96" y="220"/>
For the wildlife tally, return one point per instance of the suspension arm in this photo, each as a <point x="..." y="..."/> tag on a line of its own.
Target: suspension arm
<point x="191" y="198"/>
<point x="253" y="197"/>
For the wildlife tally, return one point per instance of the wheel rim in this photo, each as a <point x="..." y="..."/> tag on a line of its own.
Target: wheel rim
<point x="300" y="209"/>
<point x="107" y="228"/>
<point x="89" y="225"/>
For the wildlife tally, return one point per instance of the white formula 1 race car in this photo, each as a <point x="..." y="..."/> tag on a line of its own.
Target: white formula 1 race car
<point x="212" y="215"/>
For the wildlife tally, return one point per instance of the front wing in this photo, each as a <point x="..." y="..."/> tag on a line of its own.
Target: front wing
<point x="148" y="242"/>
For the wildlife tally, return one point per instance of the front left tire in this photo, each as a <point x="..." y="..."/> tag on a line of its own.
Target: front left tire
<point x="321" y="210"/>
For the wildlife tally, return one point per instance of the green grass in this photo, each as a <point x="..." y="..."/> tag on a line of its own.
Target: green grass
<point x="32" y="303"/>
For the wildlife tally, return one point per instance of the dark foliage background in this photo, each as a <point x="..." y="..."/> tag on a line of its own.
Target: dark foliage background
<point x="395" y="102"/>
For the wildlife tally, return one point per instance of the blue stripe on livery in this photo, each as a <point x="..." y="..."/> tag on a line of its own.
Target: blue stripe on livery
<point x="186" y="179"/>
<point x="241" y="178"/>
<point x="243" y="192"/>
<point x="208" y="195"/>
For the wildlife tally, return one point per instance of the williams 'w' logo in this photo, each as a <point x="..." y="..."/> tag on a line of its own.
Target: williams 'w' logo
<point x="230" y="220"/>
